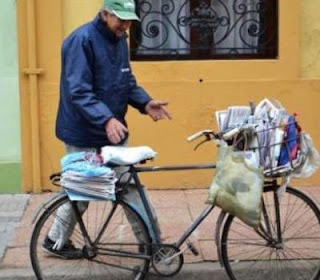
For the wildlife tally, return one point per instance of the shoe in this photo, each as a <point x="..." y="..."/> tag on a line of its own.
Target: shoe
<point x="68" y="251"/>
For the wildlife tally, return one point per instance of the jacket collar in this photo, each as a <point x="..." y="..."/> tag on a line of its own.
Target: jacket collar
<point x="102" y="28"/>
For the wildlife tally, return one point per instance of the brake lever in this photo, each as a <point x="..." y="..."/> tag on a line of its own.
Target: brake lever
<point x="199" y="144"/>
<point x="208" y="138"/>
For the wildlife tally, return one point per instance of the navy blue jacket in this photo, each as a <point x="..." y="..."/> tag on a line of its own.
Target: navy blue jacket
<point x="96" y="84"/>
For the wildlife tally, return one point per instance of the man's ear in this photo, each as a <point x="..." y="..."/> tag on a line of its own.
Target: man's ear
<point x="104" y="15"/>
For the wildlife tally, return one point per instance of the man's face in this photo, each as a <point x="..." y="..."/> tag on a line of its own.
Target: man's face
<point x="115" y="24"/>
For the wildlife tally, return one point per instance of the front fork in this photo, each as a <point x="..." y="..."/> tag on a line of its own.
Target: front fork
<point x="271" y="231"/>
<point x="278" y="216"/>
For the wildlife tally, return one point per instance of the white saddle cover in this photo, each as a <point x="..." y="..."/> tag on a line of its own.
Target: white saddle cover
<point x="126" y="155"/>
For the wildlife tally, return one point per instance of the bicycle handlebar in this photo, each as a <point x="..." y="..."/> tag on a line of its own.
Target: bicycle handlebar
<point x="230" y="133"/>
<point x="199" y="134"/>
<point x="210" y="134"/>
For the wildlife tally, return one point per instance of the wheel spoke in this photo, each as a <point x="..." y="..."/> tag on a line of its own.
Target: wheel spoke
<point x="116" y="254"/>
<point x="247" y="255"/>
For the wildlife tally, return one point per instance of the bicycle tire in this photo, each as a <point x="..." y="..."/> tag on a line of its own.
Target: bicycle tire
<point x="117" y="237"/>
<point x="247" y="256"/>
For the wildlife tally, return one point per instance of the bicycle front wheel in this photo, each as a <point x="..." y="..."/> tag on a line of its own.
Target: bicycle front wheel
<point x="285" y="247"/>
<point x="118" y="246"/>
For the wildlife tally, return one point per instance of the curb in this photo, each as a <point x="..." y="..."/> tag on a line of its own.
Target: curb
<point x="196" y="271"/>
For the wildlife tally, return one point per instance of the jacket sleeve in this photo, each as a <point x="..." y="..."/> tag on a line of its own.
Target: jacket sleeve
<point x="138" y="97"/>
<point x="78" y="62"/>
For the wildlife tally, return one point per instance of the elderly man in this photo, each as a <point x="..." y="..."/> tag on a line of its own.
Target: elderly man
<point x="97" y="86"/>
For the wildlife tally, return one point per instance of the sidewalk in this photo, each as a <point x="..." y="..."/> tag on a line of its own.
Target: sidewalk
<point x="176" y="210"/>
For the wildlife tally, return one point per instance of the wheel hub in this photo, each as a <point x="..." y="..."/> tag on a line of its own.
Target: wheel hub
<point x="276" y="245"/>
<point x="89" y="252"/>
<point x="167" y="260"/>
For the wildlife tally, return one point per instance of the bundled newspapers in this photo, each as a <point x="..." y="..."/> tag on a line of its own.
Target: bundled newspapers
<point x="276" y="138"/>
<point x="87" y="173"/>
<point x="84" y="173"/>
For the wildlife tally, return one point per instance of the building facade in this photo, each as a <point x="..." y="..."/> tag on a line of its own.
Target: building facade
<point x="195" y="89"/>
<point x="10" y="152"/>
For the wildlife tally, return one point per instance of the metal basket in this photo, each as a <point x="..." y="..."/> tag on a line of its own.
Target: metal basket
<point x="269" y="150"/>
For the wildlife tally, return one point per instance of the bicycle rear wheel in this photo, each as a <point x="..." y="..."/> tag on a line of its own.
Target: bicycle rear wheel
<point x="121" y="253"/>
<point x="267" y="254"/>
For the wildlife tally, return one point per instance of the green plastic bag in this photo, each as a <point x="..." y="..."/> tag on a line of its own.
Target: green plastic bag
<point x="238" y="184"/>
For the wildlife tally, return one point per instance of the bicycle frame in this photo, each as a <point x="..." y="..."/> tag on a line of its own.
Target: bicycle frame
<point x="133" y="177"/>
<point x="134" y="170"/>
<point x="264" y="230"/>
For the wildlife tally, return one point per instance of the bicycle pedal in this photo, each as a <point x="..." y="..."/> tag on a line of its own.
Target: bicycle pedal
<point x="192" y="248"/>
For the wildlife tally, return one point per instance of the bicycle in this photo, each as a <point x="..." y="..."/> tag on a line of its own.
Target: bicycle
<point x="279" y="249"/>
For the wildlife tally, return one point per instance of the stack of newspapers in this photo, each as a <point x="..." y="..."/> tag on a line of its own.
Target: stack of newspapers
<point x="84" y="173"/>
<point x="270" y="120"/>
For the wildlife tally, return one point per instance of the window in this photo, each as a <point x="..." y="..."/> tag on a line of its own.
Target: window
<point x="205" y="29"/>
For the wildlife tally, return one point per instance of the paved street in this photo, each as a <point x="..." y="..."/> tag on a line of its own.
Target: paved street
<point x="12" y="208"/>
<point x="176" y="210"/>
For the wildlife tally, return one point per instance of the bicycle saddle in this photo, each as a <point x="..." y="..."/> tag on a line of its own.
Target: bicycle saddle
<point x="126" y="155"/>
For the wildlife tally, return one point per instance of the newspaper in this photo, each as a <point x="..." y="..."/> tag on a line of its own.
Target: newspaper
<point x="236" y="116"/>
<point x="220" y="117"/>
<point x="270" y="110"/>
<point x="102" y="186"/>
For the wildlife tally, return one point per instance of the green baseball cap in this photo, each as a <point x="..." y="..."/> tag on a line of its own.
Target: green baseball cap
<point x="123" y="9"/>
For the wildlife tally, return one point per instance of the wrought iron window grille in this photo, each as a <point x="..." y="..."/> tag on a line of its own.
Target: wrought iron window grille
<point x="205" y="29"/>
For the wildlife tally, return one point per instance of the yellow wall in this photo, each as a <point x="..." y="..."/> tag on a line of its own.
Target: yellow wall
<point x="225" y="83"/>
<point x="292" y="79"/>
<point x="77" y="12"/>
<point x="310" y="39"/>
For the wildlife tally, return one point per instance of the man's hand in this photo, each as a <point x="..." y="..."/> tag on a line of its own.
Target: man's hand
<point x="155" y="109"/>
<point x="115" y="130"/>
